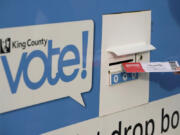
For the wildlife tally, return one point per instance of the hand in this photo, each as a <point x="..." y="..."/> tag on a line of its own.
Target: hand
<point x="177" y="70"/>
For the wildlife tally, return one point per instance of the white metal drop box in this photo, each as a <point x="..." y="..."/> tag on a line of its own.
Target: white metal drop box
<point x="125" y="38"/>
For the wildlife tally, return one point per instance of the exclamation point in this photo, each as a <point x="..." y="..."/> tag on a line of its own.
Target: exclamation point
<point x="84" y="52"/>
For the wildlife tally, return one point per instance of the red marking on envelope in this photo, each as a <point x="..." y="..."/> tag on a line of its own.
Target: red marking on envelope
<point x="133" y="67"/>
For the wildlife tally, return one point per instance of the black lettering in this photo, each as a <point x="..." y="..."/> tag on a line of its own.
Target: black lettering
<point x="29" y="42"/>
<point x="140" y="127"/>
<point x="14" y="44"/>
<point x="23" y="45"/>
<point x="126" y="130"/>
<point x="163" y="118"/>
<point x="175" y="125"/>
<point x="117" y="132"/>
<point x="151" y="121"/>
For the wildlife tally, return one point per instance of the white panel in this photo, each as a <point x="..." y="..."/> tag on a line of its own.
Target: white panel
<point x="90" y="127"/>
<point x="131" y="33"/>
<point x="36" y="81"/>
<point x="143" y="114"/>
<point x="156" y="112"/>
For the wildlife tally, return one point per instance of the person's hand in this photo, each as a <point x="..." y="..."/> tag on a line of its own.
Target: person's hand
<point x="177" y="70"/>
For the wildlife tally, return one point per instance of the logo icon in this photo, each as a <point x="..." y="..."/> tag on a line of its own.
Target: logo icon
<point x="5" y="45"/>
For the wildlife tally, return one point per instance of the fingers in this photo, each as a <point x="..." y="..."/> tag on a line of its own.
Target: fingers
<point x="177" y="70"/>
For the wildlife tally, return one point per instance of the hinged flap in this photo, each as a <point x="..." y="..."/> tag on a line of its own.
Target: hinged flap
<point x="130" y="49"/>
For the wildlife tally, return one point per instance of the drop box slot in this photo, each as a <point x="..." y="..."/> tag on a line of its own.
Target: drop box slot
<point x="120" y="62"/>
